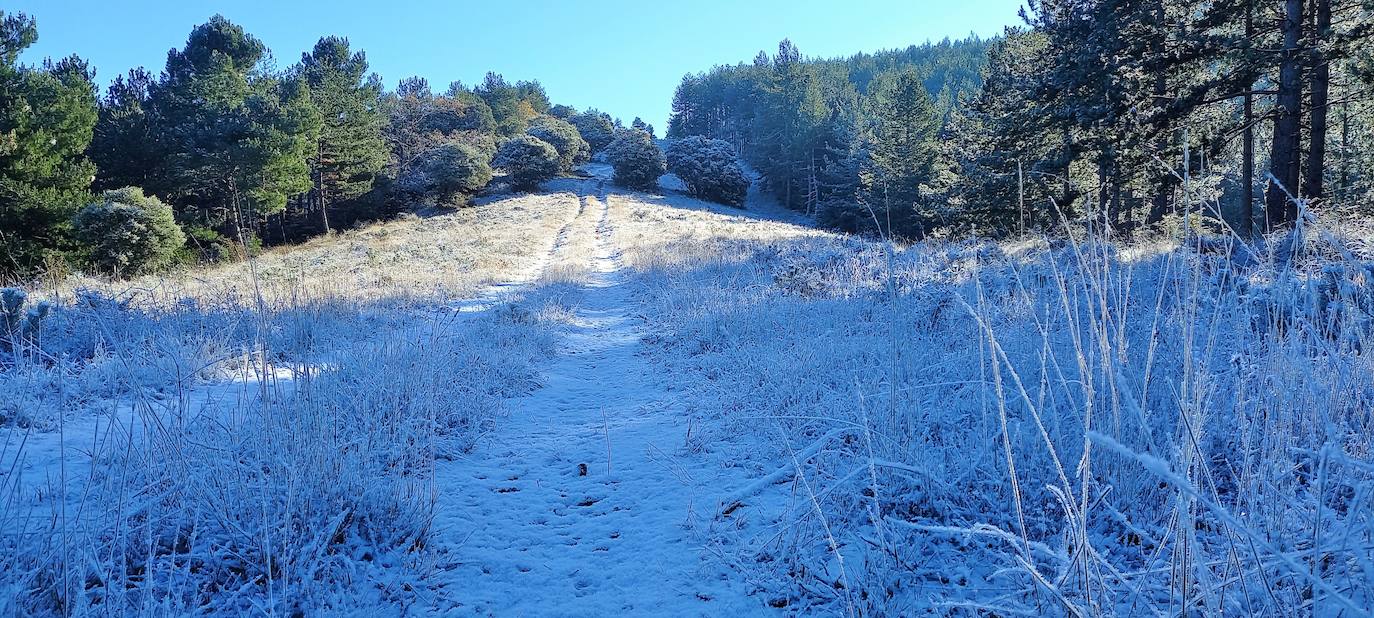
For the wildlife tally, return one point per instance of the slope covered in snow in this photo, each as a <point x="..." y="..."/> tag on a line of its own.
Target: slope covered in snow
<point x="590" y="401"/>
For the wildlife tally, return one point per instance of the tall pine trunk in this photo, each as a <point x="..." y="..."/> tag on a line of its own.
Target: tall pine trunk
<point x="1344" y="173"/>
<point x="1159" y="203"/>
<point x="1312" y="187"/>
<point x="1247" y="165"/>
<point x="1068" y="166"/>
<point x="1285" y="151"/>
<point x="319" y="185"/>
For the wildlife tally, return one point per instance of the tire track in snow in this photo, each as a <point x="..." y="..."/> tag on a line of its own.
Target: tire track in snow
<point x="503" y="291"/>
<point x="578" y="506"/>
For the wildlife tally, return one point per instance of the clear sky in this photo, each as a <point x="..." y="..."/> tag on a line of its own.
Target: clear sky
<point x="624" y="57"/>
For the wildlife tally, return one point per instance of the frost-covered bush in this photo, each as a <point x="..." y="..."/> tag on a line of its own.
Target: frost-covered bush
<point x="710" y="169"/>
<point x="454" y="171"/>
<point x="637" y="160"/>
<point x="596" y="127"/>
<point x="19" y="324"/>
<point x="528" y="160"/>
<point x="562" y="112"/>
<point x="563" y="136"/>
<point x="129" y="233"/>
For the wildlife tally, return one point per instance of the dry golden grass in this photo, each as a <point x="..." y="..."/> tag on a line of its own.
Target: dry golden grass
<point x="660" y="231"/>
<point x="572" y="259"/>
<point x="444" y="255"/>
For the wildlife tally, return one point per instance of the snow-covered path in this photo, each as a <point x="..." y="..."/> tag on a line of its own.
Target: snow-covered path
<point x="583" y="504"/>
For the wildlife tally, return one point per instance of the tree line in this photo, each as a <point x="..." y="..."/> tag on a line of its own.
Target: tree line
<point x="830" y="136"/>
<point x="1123" y="115"/>
<point x="230" y="153"/>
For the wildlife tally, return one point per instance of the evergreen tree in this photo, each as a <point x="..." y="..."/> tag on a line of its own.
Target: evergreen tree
<point x="407" y="130"/>
<point x="125" y="149"/>
<point x="1009" y="155"/>
<point x="455" y="171"/>
<point x="528" y="161"/>
<point x="800" y="122"/>
<point x="709" y="168"/>
<point x="572" y="149"/>
<point x="460" y="110"/>
<point x="512" y="107"/>
<point x="562" y="112"/>
<point x="596" y="127"/>
<point x="785" y="145"/>
<point x="640" y="125"/>
<point x="637" y="160"/>
<point x="350" y="149"/>
<point x="532" y="93"/>
<point x="237" y="140"/>
<point x="903" y="152"/>
<point x="47" y="117"/>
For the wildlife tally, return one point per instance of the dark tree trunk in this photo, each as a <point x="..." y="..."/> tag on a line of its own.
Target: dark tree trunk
<point x="1344" y="173"/>
<point x="1068" y="162"/>
<point x="1247" y="165"/>
<point x="1159" y="203"/>
<point x="1284" y="157"/>
<point x="319" y="185"/>
<point x="1102" y="205"/>
<point x="1132" y="203"/>
<point x="1312" y="187"/>
<point x="324" y="210"/>
<point x="1116" y="204"/>
<point x="1164" y="193"/>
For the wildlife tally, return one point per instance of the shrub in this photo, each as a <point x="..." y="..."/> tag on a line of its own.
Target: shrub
<point x="453" y="171"/>
<point x="637" y="160"/>
<point x="595" y="127"/>
<point x="562" y="112"/>
<point x="204" y="244"/>
<point x="529" y="161"/>
<point x="710" y="169"/>
<point x="18" y="325"/>
<point x="128" y="233"/>
<point x="462" y="112"/>
<point x="563" y="136"/>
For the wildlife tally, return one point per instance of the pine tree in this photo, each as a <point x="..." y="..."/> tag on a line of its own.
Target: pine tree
<point x="125" y="149"/>
<point x="790" y="112"/>
<point x="237" y="141"/>
<point x="640" y="125"/>
<point x="350" y="150"/>
<point x="47" y="117"/>
<point x="512" y="107"/>
<point x="905" y="125"/>
<point x="1284" y="153"/>
<point x="596" y="127"/>
<point x="532" y="93"/>
<point x="460" y="110"/>
<point x="1007" y="151"/>
<point x="407" y="130"/>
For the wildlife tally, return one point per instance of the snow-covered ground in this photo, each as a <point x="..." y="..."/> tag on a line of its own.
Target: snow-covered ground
<point x="588" y="402"/>
<point x="583" y="503"/>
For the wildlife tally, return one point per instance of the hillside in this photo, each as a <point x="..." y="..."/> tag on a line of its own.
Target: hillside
<point x="780" y="419"/>
<point x="1071" y="321"/>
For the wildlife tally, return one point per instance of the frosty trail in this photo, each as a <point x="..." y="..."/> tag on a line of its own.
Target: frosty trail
<point x="581" y="504"/>
<point x="588" y="402"/>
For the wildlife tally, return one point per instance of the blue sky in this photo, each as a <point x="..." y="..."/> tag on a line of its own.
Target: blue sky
<point x="621" y="56"/>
